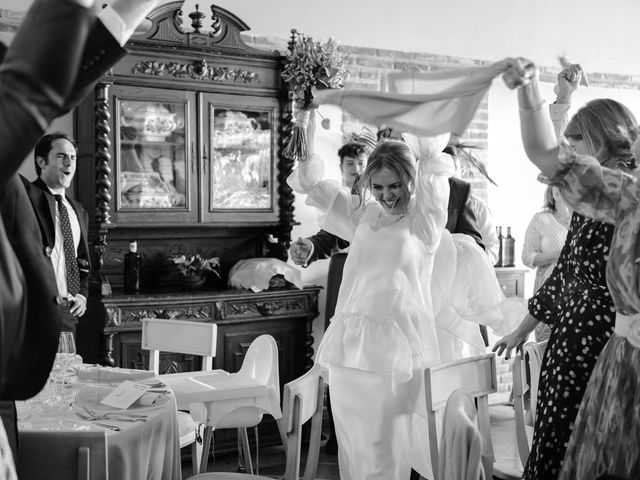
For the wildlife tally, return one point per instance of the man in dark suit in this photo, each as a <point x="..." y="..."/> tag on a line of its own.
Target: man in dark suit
<point x="55" y="162"/>
<point x="60" y="50"/>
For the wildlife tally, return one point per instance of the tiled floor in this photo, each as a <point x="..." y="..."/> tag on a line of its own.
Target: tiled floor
<point x="271" y="464"/>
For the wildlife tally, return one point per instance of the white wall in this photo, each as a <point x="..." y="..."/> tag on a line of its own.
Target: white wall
<point x="519" y="195"/>
<point x="600" y="34"/>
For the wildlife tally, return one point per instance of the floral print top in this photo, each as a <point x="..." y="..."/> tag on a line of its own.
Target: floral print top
<point x="610" y="196"/>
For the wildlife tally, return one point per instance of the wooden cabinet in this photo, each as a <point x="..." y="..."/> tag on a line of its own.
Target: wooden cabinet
<point x="511" y="280"/>
<point x="180" y="148"/>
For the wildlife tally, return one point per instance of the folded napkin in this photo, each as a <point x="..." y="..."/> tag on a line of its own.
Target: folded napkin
<point x="108" y="374"/>
<point x="90" y="396"/>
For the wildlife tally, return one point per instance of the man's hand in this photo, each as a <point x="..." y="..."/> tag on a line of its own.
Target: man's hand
<point x="300" y="250"/>
<point x="79" y="305"/>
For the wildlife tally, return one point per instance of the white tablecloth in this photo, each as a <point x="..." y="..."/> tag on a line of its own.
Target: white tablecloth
<point x="59" y="444"/>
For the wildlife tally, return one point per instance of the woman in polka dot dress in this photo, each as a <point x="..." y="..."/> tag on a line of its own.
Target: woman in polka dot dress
<point x="575" y="300"/>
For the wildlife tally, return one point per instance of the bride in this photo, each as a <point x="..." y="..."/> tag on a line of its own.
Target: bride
<point x="385" y="331"/>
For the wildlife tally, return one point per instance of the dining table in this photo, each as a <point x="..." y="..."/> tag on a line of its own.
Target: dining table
<point x="82" y="438"/>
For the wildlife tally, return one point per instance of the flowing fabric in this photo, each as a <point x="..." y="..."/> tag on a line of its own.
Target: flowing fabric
<point x="421" y="103"/>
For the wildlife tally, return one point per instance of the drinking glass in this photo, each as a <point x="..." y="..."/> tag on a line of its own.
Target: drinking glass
<point x="69" y="347"/>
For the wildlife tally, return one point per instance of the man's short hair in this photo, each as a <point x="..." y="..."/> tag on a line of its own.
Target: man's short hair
<point x="351" y="149"/>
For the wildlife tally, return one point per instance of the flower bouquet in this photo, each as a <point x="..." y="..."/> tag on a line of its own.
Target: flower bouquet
<point x="310" y="64"/>
<point x="194" y="270"/>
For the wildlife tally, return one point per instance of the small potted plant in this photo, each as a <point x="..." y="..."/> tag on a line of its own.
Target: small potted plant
<point x="194" y="270"/>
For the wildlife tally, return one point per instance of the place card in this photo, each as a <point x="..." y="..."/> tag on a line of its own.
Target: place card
<point x="124" y="395"/>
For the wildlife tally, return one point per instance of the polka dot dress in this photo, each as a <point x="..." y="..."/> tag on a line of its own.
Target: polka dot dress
<point x="576" y="303"/>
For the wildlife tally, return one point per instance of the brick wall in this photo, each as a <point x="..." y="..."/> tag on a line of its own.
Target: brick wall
<point x="369" y="65"/>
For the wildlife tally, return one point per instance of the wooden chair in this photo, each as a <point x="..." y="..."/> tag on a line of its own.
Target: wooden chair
<point x="7" y="466"/>
<point x="302" y="402"/>
<point x="526" y="367"/>
<point x="181" y="336"/>
<point x="512" y="428"/>
<point x="476" y="376"/>
<point x="85" y="455"/>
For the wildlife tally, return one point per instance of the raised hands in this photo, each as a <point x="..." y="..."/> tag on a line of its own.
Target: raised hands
<point x="519" y="72"/>
<point x="568" y="82"/>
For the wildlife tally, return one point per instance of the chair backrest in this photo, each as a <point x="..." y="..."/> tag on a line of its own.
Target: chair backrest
<point x="334" y="279"/>
<point x="7" y="465"/>
<point x="303" y="400"/>
<point x="526" y="370"/>
<point x="460" y="453"/>
<point x="260" y="365"/>
<point x="84" y="455"/>
<point x="476" y="376"/>
<point x="179" y="336"/>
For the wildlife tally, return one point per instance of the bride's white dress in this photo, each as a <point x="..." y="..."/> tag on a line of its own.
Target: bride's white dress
<point x="387" y="327"/>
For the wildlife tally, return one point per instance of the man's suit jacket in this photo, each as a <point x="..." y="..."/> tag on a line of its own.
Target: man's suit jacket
<point x="44" y="204"/>
<point x="460" y="219"/>
<point x="59" y="51"/>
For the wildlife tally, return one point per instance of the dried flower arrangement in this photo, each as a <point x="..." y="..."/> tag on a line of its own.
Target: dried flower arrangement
<point x="196" y="266"/>
<point x="310" y="64"/>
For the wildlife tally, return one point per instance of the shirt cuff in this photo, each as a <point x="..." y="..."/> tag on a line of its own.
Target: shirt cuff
<point x="116" y="26"/>
<point x="306" y="260"/>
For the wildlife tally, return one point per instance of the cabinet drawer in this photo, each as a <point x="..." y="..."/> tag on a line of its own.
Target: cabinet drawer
<point x="131" y="316"/>
<point x="509" y="286"/>
<point x="247" y="308"/>
<point x="511" y="280"/>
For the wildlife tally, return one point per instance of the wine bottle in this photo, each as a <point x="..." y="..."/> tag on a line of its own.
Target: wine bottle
<point x="132" y="268"/>
<point x="509" y="250"/>
<point x="500" y="262"/>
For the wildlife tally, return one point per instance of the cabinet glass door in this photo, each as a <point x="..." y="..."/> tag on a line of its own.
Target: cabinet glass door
<point x="240" y="172"/>
<point x="153" y="162"/>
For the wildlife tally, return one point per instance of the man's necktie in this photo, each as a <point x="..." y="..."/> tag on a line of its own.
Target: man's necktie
<point x="73" y="274"/>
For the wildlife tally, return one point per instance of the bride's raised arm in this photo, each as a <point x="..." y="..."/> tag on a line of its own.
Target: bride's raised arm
<point x="431" y="186"/>
<point x="335" y="203"/>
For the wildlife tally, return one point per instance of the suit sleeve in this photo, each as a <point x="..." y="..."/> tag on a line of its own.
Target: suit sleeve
<point x="325" y="244"/>
<point x="467" y="222"/>
<point x="101" y="52"/>
<point x="37" y="75"/>
<point x="84" y="257"/>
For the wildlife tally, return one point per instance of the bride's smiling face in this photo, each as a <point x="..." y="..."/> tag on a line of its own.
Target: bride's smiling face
<point x="390" y="191"/>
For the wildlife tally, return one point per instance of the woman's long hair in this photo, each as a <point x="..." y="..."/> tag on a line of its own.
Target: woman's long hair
<point x="395" y="156"/>
<point x="608" y="129"/>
